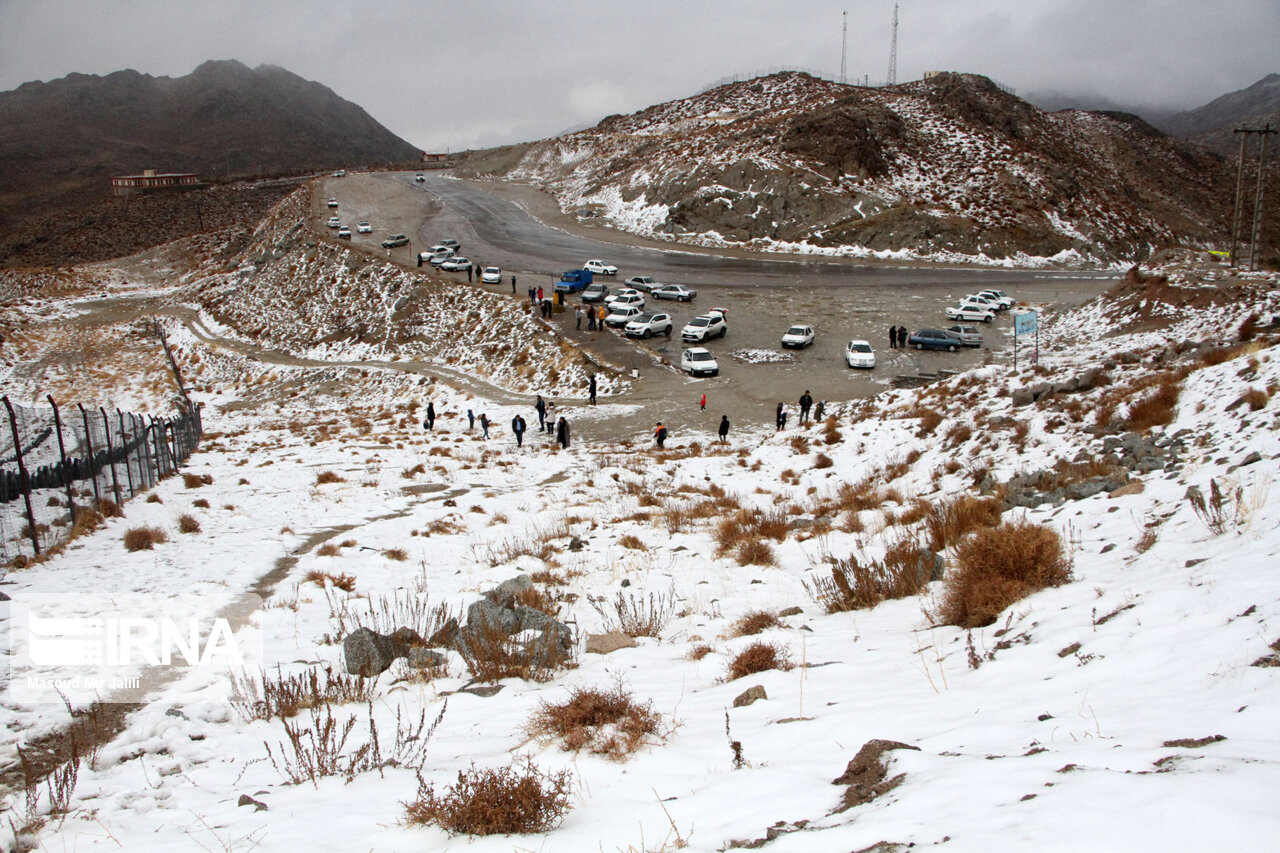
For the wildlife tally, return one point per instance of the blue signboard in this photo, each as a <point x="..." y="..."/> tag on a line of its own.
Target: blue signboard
<point x="1025" y="323"/>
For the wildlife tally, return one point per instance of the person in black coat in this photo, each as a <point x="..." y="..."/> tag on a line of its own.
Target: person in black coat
<point x="541" y="407"/>
<point x="517" y="429"/>
<point x="902" y="337"/>
<point x="591" y="389"/>
<point x="660" y="434"/>
<point x="562" y="432"/>
<point x="430" y="422"/>
<point x="724" y="426"/>
<point x="893" y="337"/>
<point x="806" y="402"/>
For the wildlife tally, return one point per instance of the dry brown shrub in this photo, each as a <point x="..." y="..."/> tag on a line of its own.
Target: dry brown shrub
<point x="958" y="435"/>
<point x="930" y="419"/>
<point x="200" y="503"/>
<point x="605" y="722"/>
<point x="853" y="586"/>
<point x="284" y="696"/>
<point x="1000" y="565"/>
<point x="822" y="460"/>
<point x="1155" y="408"/>
<point x="949" y="521"/>
<point x="328" y="549"/>
<point x="754" y="552"/>
<point x="632" y="542"/>
<point x="753" y="623"/>
<point x="397" y="554"/>
<point x="152" y="498"/>
<point x="511" y="800"/>
<point x="1249" y="327"/>
<point x="325" y="477"/>
<point x="538" y="599"/>
<point x="344" y="582"/>
<point x="491" y="654"/>
<point x="758" y="657"/>
<point x="442" y="527"/>
<point x="195" y="481"/>
<point x="188" y="524"/>
<point x="108" y="508"/>
<point x="410" y="473"/>
<point x="1255" y="399"/>
<point x="144" y="538"/>
<point x="699" y="652"/>
<point x="348" y="543"/>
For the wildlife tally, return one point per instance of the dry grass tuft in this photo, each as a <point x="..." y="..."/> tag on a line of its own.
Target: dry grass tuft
<point x="1000" y="565"/>
<point x="636" y="616"/>
<point x="284" y="696"/>
<point x="853" y="586"/>
<point x="144" y="538"/>
<point x="328" y="549"/>
<point x="632" y="542"/>
<point x="325" y="477"/>
<point x="822" y="460"/>
<point x="344" y="582"/>
<point x="753" y="623"/>
<point x="397" y="554"/>
<point x="195" y="481"/>
<point x="188" y="524"/>
<point x="950" y="521"/>
<point x="605" y="722"/>
<point x="758" y="657"/>
<point x="200" y="503"/>
<point x="492" y="655"/>
<point x="699" y="652"/>
<point x="108" y="508"/>
<point x="754" y="552"/>
<point x="510" y="800"/>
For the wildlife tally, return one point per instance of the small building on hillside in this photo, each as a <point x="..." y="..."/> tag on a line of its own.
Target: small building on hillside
<point x="434" y="158"/>
<point x="150" y="179"/>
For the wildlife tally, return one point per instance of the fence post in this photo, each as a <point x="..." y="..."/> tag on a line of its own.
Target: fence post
<point x="115" y="475"/>
<point x="124" y="445"/>
<point x="62" y="454"/>
<point x="178" y="458"/>
<point x="23" y="480"/>
<point x="88" y="440"/>
<point x="144" y="448"/>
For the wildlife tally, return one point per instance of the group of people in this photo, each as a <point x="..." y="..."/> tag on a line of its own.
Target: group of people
<point x="595" y="315"/>
<point x="897" y="337"/>
<point x="805" y="405"/>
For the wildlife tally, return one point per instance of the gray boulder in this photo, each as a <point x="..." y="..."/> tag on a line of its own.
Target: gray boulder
<point x="494" y="616"/>
<point x="367" y="653"/>
<point x="751" y="694"/>
<point x="603" y="644"/>
<point x="504" y="594"/>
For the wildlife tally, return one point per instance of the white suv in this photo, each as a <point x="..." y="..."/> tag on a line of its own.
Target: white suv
<point x="697" y="361"/>
<point x="705" y="328"/>
<point x="648" y="325"/>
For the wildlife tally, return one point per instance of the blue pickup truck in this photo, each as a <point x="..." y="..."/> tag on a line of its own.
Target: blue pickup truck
<point x="573" y="281"/>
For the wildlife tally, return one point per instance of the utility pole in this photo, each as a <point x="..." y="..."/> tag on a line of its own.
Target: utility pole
<point x="893" y="50"/>
<point x="1255" y="232"/>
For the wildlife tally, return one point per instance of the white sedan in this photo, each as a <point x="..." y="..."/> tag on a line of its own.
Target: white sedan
<point x="970" y="312"/>
<point x="678" y="292"/>
<point x="626" y="296"/>
<point x="333" y="222"/>
<point x="798" y="337"/>
<point x="491" y="275"/>
<point x="598" y="267"/>
<point x="860" y="354"/>
<point x="364" y="227"/>
<point x="456" y="264"/>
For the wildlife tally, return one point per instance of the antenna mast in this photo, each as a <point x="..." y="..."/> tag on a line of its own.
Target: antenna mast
<point x="844" y="33"/>
<point x="893" y="49"/>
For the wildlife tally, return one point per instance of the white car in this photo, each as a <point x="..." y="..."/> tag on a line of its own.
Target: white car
<point x="438" y="258"/>
<point x="678" y="292"/>
<point x="597" y="267"/>
<point x="798" y="337"/>
<point x="491" y="275"/>
<point x="970" y="312"/>
<point x="642" y="283"/>
<point x="968" y="335"/>
<point x="333" y="222"/>
<point x="420" y="178"/>
<point x="621" y="315"/>
<point x="597" y="291"/>
<point x="626" y="296"/>
<point x="697" y="361"/>
<point x="860" y="354"/>
<point x="364" y="227"/>
<point x="648" y="325"/>
<point x="705" y="328"/>
<point x="341" y="173"/>
<point x="1002" y="300"/>
<point x="456" y="264"/>
<point x="344" y="233"/>
<point x="984" y="301"/>
<point x="333" y="202"/>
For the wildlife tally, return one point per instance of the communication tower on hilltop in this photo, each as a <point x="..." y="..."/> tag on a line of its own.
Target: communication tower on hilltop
<point x="844" y="33"/>
<point x="893" y="49"/>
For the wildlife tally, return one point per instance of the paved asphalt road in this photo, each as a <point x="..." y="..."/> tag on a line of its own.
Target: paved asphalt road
<point x="841" y="299"/>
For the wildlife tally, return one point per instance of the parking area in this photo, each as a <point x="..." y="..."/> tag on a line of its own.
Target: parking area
<point x="841" y="299"/>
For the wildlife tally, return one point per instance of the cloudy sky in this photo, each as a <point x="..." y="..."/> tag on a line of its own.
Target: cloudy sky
<point x="453" y="74"/>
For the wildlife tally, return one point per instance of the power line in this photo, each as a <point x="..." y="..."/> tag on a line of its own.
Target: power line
<point x="1255" y="232"/>
<point x="893" y="50"/>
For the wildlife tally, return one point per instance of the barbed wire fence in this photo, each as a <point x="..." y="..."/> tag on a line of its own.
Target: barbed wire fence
<point x="56" y="463"/>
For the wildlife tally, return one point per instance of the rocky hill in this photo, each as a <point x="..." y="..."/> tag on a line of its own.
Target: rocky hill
<point x="1213" y="123"/>
<point x="61" y="141"/>
<point x="951" y="168"/>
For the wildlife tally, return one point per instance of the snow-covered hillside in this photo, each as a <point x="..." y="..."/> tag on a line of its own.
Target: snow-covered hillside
<point x="1132" y="707"/>
<point x="949" y="168"/>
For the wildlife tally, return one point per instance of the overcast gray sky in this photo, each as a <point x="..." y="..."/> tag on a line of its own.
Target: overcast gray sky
<point x="477" y="73"/>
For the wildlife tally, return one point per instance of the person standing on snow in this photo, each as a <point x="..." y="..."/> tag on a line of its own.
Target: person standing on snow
<point x="660" y="434"/>
<point x="902" y="337"/>
<point x="562" y="432"/>
<point x="591" y="390"/>
<point x="517" y="429"/>
<point x="820" y="410"/>
<point x="484" y="425"/>
<point x="541" y="408"/>
<point x="724" y="427"/>
<point x="471" y="420"/>
<point x="893" y="337"/>
<point x="551" y="417"/>
<point x="702" y="403"/>
<point x="806" y="402"/>
<point x="430" y="422"/>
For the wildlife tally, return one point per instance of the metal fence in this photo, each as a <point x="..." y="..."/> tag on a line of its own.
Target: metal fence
<point x="56" y="462"/>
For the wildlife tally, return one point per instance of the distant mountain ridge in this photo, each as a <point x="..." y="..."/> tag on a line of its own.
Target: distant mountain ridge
<point x="66" y="137"/>
<point x="949" y="168"/>
<point x="1214" y="123"/>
